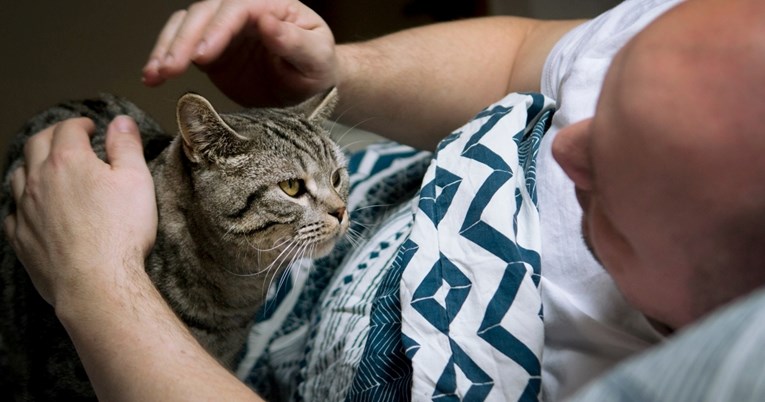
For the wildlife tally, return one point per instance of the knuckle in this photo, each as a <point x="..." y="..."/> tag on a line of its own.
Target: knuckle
<point x="178" y="15"/>
<point x="197" y="7"/>
<point x="61" y="158"/>
<point x="31" y="188"/>
<point x="9" y="226"/>
<point x="76" y="123"/>
<point x="207" y="6"/>
<point x="33" y="142"/>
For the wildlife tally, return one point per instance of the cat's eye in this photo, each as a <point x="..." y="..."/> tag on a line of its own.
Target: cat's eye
<point x="336" y="178"/>
<point x="292" y="187"/>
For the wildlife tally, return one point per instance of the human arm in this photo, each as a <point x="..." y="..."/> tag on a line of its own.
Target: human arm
<point x="417" y="85"/>
<point x="413" y="86"/>
<point x="82" y="228"/>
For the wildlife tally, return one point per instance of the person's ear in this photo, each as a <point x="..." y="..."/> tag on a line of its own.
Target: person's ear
<point x="571" y="148"/>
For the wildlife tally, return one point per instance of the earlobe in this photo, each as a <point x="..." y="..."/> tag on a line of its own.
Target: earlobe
<point x="571" y="149"/>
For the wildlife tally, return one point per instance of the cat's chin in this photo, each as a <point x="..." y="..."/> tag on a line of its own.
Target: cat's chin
<point x="323" y="248"/>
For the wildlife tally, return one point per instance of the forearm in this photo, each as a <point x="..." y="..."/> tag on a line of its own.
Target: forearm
<point x="135" y="349"/>
<point x="417" y="85"/>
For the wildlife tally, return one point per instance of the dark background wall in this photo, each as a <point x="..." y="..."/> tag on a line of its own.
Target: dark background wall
<point x="51" y="51"/>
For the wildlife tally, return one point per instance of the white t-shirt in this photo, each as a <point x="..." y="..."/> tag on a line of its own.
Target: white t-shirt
<point x="588" y="325"/>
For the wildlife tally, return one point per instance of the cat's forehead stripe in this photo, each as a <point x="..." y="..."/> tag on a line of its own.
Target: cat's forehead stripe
<point x="282" y="134"/>
<point x="325" y="146"/>
<point x="310" y="143"/>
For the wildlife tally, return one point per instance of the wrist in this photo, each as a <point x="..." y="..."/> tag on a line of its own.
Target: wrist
<point x="110" y="286"/>
<point x="134" y="348"/>
<point x="347" y="68"/>
<point x="361" y="78"/>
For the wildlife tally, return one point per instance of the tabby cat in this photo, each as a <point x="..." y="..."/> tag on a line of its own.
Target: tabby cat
<point x="240" y="196"/>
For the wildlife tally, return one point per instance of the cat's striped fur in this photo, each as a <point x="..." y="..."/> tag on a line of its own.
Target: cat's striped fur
<point x="239" y="195"/>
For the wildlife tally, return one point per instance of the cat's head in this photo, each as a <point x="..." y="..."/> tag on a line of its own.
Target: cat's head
<point x="266" y="180"/>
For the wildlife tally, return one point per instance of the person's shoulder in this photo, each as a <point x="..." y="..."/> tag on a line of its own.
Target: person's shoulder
<point x="582" y="56"/>
<point x="615" y="26"/>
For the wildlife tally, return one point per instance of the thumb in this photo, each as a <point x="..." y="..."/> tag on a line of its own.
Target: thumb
<point x="123" y="143"/>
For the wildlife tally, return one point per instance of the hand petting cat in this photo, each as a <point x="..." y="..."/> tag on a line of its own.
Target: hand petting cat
<point x="257" y="52"/>
<point x="83" y="199"/>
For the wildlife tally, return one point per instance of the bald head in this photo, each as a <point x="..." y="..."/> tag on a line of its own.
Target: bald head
<point x="705" y="58"/>
<point x="671" y="169"/>
<point x="693" y="85"/>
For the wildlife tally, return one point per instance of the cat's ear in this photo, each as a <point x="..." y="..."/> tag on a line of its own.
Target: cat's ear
<point x="320" y="107"/>
<point x="205" y="134"/>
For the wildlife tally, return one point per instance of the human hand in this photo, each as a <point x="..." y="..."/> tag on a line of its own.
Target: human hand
<point x="76" y="215"/>
<point x="258" y="52"/>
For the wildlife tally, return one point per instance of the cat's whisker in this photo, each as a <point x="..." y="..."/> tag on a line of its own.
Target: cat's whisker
<point x="277" y="244"/>
<point x="270" y="282"/>
<point x="347" y="146"/>
<point x="360" y="224"/>
<point x="299" y="256"/>
<point x="350" y="129"/>
<point x="292" y="271"/>
<point x="281" y="257"/>
<point x="372" y="206"/>
<point x="274" y="262"/>
<point x="340" y="116"/>
<point x="366" y="226"/>
<point x="310" y="251"/>
<point x="294" y="264"/>
<point x="355" y="237"/>
<point x="332" y="127"/>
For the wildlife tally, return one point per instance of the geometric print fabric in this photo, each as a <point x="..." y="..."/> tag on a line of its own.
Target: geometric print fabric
<point x="471" y="307"/>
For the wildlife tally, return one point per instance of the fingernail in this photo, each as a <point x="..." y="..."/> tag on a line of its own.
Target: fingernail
<point x="124" y="124"/>
<point x="153" y="64"/>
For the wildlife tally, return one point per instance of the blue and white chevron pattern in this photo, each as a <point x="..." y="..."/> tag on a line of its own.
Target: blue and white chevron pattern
<point x="471" y="307"/>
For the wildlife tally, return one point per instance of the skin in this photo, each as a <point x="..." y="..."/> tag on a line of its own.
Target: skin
<point x="677" y="126"/>
<point x="105" y="212"/>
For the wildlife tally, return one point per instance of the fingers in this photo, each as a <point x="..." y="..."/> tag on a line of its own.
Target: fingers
<point x="231" y="19"/>
<point x="181" y="50"/>
<point x="201" y="34"/>
<point x="9" y="226"/>
<point x="37" y="147"/>
<point x="178" y="42"/>
<point x="72" y="135"/>
<point x="18" y="182"/>
<point x="123" y="144"/>
<point x="64" y="138"/>
<point x="158" y="54"/>
<point x="68" y="134"/>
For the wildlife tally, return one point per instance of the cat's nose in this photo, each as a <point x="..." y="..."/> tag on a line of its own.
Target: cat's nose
<point x="338" y="214"/>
